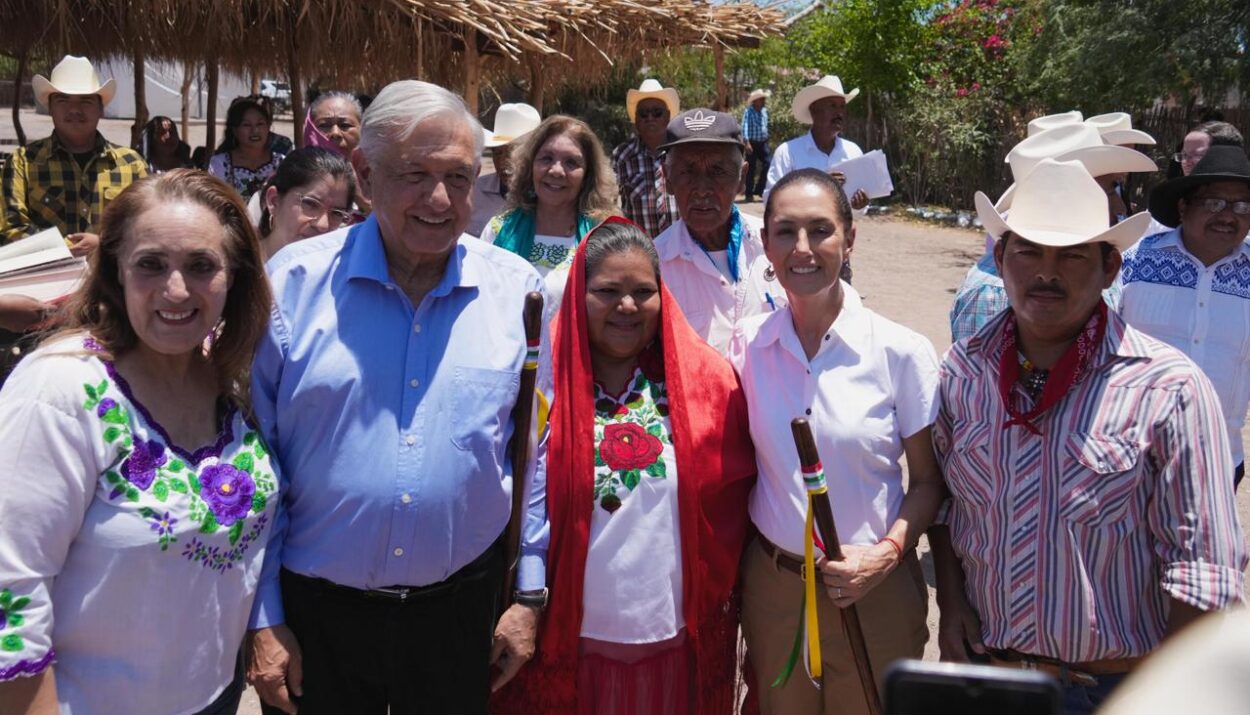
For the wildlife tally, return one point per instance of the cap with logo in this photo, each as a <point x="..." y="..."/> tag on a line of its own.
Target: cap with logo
<point x="703" y="125"/>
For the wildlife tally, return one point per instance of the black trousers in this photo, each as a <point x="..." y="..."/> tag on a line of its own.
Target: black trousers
<point x="760" y="155"/>
<point x="366" y="655"/>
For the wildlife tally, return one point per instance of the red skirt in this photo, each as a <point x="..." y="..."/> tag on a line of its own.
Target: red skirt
<point x="636" y="679"/>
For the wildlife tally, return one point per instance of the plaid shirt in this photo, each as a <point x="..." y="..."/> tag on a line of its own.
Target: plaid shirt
<point x="755" y="124"/>
<point x="644" y="197"/>
<point x="44" y="186"/>
<point x="1073" y="541"/>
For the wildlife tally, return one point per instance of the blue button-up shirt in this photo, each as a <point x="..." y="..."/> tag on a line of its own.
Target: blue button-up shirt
<point x="755" y="124"/>
<point x="389" y="420"/>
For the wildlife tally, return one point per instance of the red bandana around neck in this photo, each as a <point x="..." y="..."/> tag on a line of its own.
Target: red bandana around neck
<point x="1069" y="370"/>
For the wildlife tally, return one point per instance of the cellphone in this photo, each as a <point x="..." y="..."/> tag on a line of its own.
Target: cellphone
<point x="917" y="687"/>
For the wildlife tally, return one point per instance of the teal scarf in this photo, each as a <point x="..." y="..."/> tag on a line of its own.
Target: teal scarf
<point x="735" y="243"/>
<point x="516" y="234"/>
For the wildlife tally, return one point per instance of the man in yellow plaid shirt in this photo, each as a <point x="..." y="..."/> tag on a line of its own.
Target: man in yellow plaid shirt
<point x="66" y="180"/>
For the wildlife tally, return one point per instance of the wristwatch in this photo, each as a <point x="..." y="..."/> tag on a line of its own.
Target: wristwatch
<point x="536" y="599"/>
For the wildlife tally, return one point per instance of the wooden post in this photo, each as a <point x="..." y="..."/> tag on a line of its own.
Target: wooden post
<point x="255" y="83"/>
<point x="419" y="29"/>
<point x="188" y="74"/>
<point x="718" y="53"/>
<point x="538" y="84"/>
<point x="18" y="79"/>
<point x="141" y="100"/>
<point x="296" y="82"/>
<point x="472" y="70"/>
<point x="210" y="117"/>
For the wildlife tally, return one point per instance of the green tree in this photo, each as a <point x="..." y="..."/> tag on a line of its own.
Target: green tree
<point x="1125" y="54"/>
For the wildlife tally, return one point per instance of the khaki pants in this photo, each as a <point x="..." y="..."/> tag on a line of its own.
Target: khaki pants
<point x="892" y="616"/>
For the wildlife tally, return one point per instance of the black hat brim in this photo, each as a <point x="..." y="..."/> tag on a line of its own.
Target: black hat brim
<point x="1165" y="197"/>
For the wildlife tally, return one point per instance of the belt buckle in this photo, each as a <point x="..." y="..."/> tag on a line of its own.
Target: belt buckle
<point x="400" y="593"/>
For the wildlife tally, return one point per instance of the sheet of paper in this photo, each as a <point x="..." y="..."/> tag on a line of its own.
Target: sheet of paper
<point x="44" y="247"/>
<point x="48" y="284"/>
<point x="869" y="172"/>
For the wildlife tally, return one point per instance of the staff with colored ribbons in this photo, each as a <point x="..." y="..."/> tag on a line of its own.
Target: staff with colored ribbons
<point x="523" y="419"/>
<point x="824" y="535"/>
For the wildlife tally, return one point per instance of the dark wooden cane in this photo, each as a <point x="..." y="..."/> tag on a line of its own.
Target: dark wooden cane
<point x="522" y="418"/>
<point x="823" y="514"/>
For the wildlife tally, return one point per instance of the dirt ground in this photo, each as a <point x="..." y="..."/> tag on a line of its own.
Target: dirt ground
<point x="905" y="270"/>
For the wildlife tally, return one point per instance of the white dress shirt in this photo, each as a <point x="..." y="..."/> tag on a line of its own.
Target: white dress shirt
<point x="712" y="303"/>
<point x="871" y="384"/>
<point x="1204" y="311"/>
<point x="802" y="153"/>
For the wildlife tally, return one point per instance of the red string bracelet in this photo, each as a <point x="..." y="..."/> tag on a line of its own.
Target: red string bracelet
<point x="898" y="550"/>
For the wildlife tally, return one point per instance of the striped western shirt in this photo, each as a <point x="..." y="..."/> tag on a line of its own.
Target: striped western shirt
<point x="44" y="186"/>
<point x="645" y="199"/>
<point x="755" y="124"/>
<point x="1072" y="541"/>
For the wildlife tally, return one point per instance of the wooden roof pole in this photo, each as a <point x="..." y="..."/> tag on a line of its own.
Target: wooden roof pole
<point x="18" y="79"/>
<point x="141" y="100"/>
<point x="718" y="53"/>
<point x="538" y="83"/>
<point x="210" y="118"/>
<point x="188" y="74"/>
<point x="472" y="70"/>
<point x="296" y="81"/>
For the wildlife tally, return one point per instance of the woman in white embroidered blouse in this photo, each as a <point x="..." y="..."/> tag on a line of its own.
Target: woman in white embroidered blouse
<point x="138" y="497"/>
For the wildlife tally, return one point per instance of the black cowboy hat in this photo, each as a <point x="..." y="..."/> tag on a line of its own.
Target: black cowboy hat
<point x="1221" y="163"/>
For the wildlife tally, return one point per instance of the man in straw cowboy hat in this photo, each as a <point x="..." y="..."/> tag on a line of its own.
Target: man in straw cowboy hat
<point x="982" y="296"/>
<point x="823" y="106"/>
<point x="66" y="180"/>
<point x="755" y="132"/>
<point x="512" y="122"/>
<point x="1190" y="286"/>
<point x="1084" y="525"/>
<point x="645" y="198"/>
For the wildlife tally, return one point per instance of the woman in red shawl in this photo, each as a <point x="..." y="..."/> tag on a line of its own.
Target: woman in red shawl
<point x="650" y="465"/>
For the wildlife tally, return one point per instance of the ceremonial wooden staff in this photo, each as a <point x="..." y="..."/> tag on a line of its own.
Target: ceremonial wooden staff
<point x="814" y="481"/>
<point x="522" y="418"/>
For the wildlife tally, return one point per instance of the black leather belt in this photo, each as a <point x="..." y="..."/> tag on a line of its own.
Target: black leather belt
<point x="475" y="569"/>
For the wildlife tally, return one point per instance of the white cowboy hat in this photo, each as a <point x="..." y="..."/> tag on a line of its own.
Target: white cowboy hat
<point x="74" y="76"/>
<point x="1117" y="128"/>
<point x="512" y="121"/>
<point x="1050" y="121"/>
<point x="1060" y="204"/>
<point x="827" y="86"/>
<point x="651" y="89"/>
<point x="758" y="94"/>
<point x="1071" y="142"/>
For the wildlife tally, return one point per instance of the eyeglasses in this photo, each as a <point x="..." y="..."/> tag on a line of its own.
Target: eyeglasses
<point x="314" y="208"/>
<point x="1181" y="157"/>
<point x="653" y="113"/>
<point x="1214" y="206"/>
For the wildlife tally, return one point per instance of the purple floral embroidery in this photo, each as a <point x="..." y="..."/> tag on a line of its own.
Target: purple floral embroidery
<point x="140" y="467"/>
<point x="221" y="561"/>
<point x="105" y="405"/>
<point x="164" y="525"/>
<point x="92" y="344"/>
<point x="228" y="491"/>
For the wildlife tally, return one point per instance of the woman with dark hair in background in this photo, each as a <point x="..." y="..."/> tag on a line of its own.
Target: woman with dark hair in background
<point x="162" y="148"/>
<point x="244" y="159"/>
<point x="311" y="193"/>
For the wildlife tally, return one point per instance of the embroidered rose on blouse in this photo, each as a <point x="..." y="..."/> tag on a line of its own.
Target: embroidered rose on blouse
<point x="627" y="446"/>
<point x="228" y="492"/>
<point x="106" y="405"/>
<point x="140" y="467"/>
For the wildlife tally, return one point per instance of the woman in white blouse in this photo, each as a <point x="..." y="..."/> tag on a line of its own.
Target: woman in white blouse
<point x="867" y="386"/>
<point x="137" y="496"/>
<point x="563" y="186"/>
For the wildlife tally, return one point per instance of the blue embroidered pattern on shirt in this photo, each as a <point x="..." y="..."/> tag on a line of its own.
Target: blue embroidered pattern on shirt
<point x="1233" y="278"/>
<point x="1164" y="266"/>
